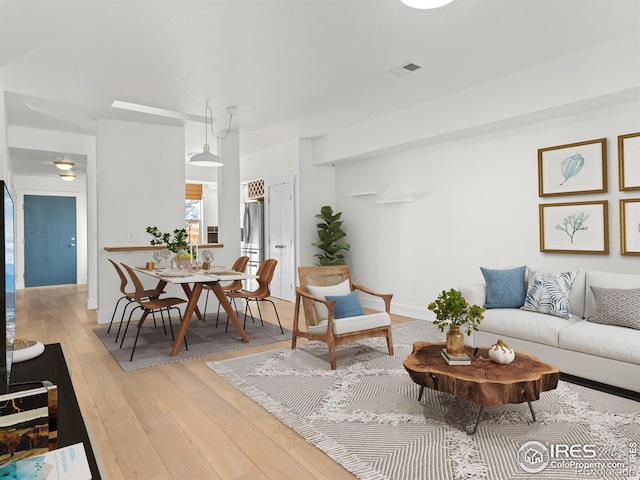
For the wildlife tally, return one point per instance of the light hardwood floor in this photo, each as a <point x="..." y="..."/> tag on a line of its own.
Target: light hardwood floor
<point x="175" y="421"/>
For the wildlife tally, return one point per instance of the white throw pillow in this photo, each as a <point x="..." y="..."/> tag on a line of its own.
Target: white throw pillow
<point x="343" y="288"/>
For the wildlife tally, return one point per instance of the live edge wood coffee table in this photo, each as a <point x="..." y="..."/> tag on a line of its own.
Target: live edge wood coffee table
<point x="484" y="381"/>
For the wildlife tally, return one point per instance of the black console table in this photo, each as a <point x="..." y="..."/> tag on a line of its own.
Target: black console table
<point x="51" y="365"/>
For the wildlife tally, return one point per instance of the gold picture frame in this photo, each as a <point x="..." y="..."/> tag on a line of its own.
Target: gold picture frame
<point x="630" y="226"/>
<point x="575" y="168"/>
<point x="629" y="161"/>
<point x="578" y="227"/>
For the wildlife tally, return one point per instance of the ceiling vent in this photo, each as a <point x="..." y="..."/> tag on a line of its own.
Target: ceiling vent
<point x="405" y="69"/>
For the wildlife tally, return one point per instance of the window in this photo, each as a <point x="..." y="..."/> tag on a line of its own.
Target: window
<point x="193" y="211"/>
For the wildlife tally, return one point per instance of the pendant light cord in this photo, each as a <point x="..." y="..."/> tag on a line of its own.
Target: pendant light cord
<point x="208" y="112"/>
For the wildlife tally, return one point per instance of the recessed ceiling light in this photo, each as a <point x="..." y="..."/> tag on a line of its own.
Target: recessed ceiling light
<point x="64" y="164"/>
<point x="426" y="4"/>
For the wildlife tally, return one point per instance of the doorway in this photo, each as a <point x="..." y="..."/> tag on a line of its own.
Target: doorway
<point x="281" y="244"/>
<point x="50" y="246"/>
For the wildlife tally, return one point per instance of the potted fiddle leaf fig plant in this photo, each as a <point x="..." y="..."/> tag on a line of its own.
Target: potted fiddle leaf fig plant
<point x="330" y="235"/>
<point x="452" y="310"/>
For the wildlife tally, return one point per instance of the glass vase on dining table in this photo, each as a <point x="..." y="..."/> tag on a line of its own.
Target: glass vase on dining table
<point x="207" y="259"/>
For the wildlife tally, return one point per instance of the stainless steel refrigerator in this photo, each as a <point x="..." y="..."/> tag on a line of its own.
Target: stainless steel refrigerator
<point x="252" y="238"/>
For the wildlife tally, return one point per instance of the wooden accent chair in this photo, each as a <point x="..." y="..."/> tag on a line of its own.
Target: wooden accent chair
<point x="320" y="313"/>
<point x="150" y="305"/>
<point x="240" y="265"/>
<point x="129" y="296"/>
<point x="260" y="294"/>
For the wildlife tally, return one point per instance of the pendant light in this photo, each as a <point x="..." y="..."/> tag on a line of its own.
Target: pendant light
<point x="206" y="158"/>
<point x="426" y="4"/>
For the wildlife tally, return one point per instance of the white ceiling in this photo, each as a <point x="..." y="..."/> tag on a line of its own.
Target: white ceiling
<point x="293" y="68"/>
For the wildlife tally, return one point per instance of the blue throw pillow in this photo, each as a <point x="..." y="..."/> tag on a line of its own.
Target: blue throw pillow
<point x="505" y="288"/>
<point x="346" y="305"/>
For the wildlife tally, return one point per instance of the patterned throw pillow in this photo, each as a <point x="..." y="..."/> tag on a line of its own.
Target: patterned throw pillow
<point x="617" y="306"/>
<point x="549" y="293"/>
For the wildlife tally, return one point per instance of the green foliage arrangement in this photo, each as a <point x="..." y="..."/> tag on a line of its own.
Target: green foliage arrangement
<point x="330" y="233"/>
<point x="452" y="308"/>
<point x="175" y="244"/>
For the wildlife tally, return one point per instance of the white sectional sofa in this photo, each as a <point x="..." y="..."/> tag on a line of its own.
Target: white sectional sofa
<point x="604" y="353"/>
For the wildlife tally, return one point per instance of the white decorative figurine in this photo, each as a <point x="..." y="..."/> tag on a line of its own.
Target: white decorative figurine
<point x="502" y="353"/>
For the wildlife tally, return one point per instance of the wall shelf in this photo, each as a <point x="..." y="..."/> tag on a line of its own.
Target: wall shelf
<point x="360" y="194"/>
<point x="397" y="200"/>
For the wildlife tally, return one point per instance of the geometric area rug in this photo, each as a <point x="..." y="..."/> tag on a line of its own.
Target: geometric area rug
<point x="366" y="416"/>
<point x="203" y="338"/>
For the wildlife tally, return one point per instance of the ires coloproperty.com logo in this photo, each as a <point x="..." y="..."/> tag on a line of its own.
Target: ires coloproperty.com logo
<point x="581" y="460"/>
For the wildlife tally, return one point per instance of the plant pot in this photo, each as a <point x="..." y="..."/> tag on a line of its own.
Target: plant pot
<point x="455" y="340"/>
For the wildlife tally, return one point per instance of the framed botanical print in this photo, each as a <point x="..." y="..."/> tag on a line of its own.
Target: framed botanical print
<point x="630" y="226"/>
<point x="573" y="169"/>
<point x="629" y="161"/>
<point x="580" y="227"/>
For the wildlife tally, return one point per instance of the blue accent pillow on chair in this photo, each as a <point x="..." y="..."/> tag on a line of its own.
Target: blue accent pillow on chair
<point x="346" y="305"/>
<point x="505" y="288"/>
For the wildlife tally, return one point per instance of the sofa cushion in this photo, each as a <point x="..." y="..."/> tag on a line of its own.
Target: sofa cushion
<point x="343" y="288"/>
<point x="606" y="280"/>
<point x="549" y="293"/>
<point x="532" y="326"/>
<point x="505" y="288"/>
<point x="617" y="306"/>
<point x="608" y="341"/>
<point x="346" y="305"/>
<point x="353" y="324"/>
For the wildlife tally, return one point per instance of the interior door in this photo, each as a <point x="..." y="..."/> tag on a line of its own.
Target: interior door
<point x="49" y="240"/>
<point x="281" y="213"/>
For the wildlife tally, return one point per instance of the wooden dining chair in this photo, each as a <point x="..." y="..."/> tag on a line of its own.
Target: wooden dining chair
<point x="150" y="305"/>
<point x="240" y="265"/>
<point x="332" y="311"/>
<point x="129" y="296"/>
<point x="261" y="294"/>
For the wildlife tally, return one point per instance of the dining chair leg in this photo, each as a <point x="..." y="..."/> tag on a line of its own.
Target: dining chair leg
<point x="114" y="312"/>
<point x="124" y="312"/>
<point x="124" y="334"/>
<point x="275" y="310"/>
<point x="257" y="300"/>
<point x="171" y="325"/>
<point x="204" y="313"/>
<point x="142" y="319"/>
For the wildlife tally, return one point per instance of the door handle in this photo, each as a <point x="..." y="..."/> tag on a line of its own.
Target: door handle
<point x="72" y="244"/>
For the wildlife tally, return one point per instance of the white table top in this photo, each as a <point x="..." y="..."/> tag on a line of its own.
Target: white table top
<point x="177" y="275"/>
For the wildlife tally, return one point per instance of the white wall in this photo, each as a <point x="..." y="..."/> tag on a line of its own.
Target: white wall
<point x="141" y="178"/>
<point x="476" y="205"/>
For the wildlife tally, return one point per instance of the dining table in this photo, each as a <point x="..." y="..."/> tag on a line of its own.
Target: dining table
<point x="192" y="282"/>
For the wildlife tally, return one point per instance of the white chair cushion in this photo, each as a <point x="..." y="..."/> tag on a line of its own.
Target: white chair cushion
<point x="353" y="324"/>
<point x="532" y="326"/>
<point x="608" y="341"/>
<point x="343" y="288"/>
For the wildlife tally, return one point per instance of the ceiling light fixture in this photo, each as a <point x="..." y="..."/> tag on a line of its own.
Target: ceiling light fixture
<point x="68" y="176"/>
<point x="206" y="158"/>
<point x="426" y="4"/>
<point x="64" y="164"/>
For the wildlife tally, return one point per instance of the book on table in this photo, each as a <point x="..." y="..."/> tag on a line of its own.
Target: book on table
<point x="28" y="423"/>
<point x="462" y="359"/>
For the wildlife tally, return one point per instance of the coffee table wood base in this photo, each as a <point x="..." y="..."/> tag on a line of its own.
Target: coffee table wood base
<point x="484" y="381"/>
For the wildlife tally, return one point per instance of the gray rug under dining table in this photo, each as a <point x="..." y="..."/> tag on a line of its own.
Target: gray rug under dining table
<point x="203" y="338"/>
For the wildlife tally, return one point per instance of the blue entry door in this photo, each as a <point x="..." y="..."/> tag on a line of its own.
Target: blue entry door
<point x="49" y="240"/>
